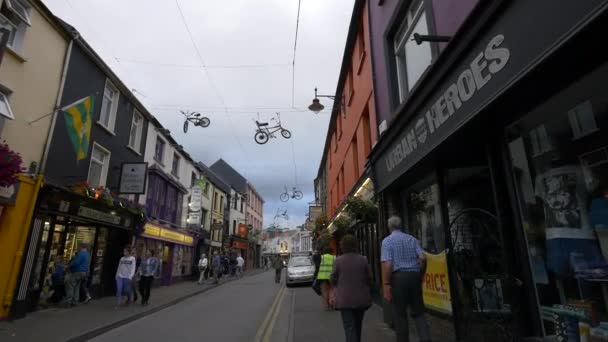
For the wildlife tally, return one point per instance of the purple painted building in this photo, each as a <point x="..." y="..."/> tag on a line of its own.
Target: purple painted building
<point x="443" y="17"/>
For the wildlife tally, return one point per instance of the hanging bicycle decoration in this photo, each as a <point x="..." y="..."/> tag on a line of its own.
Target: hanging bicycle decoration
<point x="264" y="132"/>
<point x="295" y="193"/>
<point x="281" y="214"/>
<point x="196" y="119"/>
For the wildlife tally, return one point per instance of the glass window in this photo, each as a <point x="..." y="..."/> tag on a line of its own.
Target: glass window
<point x="159" y="150"/>
<point x="137" y="126"/>
<point x="412" y="59"/>
<point x="20" y="9"/>
<point x="424" y="215"/>
<point x="563" y="194"/>
<point x="98" y="168"/>
<point x="109" y="106"/>
<point x="12" y="29"/>
<point x="5" y="106"/>
<point x="175" y="165"/>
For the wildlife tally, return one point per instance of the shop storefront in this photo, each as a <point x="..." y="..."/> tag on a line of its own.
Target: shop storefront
<point x="501" y="174"/>
<point x="175" y="249"/>
<point x="63" y="220"/>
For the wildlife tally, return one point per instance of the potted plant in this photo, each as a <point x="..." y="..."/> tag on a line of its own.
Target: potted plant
<point x="10" y="165"/>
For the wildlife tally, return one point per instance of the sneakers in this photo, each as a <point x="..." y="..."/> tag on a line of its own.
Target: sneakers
<point x="87" y="300"/>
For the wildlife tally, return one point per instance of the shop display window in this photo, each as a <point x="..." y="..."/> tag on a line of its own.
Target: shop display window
<point x="423" y="212"/>
<point x="562" y="191"/>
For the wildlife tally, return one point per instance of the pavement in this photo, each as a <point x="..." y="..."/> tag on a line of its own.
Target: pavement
<point x="253" y="308"/>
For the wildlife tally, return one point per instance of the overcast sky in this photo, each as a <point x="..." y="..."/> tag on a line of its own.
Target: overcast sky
<point x="246" y="47"/>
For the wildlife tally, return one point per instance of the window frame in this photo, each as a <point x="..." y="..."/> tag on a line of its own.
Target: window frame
<point x="113" y="109"/>
<point x="26" y="16"/>
<point x="160" y="159"/>
<point x="139" y="131"/>
<point x="5" y="98"/>
<point x="104" y="166"/>
<point x="174" y="165"/>
<point x="13" y="35"/>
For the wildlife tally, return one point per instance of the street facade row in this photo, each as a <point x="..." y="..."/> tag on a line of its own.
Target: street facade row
<point x="83" y="160"/>
<point x="481" y="124"/>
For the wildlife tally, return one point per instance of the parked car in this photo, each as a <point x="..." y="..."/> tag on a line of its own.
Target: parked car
<point x="300" y="270"/>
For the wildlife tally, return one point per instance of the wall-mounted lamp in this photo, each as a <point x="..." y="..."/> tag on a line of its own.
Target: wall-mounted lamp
<point x="419" y="38"/>
<point x="317" y="107"/>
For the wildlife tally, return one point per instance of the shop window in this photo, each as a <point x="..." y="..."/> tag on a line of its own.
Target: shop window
<point x="98" y="167"/>
<point x="424" y="215"/>
<point x="412" y="59"/>
<point x="563" y="197"/>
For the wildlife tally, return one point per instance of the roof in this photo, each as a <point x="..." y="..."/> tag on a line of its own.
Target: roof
<point x="230" y="175"/>
<point x="213" y="177"/>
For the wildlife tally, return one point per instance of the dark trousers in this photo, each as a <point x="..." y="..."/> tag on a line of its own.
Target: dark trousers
<point x="407" y="294"/>
<point x="277" y="275"/>
<point x="145" y="283"/>
<point x="352" y="320"/>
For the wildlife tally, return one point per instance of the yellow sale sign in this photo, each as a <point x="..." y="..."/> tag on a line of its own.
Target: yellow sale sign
<point x="436" y="284"/>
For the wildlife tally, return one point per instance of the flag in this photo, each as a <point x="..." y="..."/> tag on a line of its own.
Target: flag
<point x="78" y="120"/>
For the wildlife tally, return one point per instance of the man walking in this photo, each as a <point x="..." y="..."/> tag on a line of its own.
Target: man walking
<point x="403" y="267"/>
<point x="277" y="264"/>
<point x="79" y="267"/>
<point x="202" y="268"/>
<point x="240" y="262"/>
<point x="216" y="265"/>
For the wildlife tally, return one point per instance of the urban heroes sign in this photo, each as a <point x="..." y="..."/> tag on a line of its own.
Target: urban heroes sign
<point x="424" y="127"/>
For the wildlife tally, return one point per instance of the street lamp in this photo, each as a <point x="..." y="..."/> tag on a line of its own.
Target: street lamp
<point x="316" y="106"/>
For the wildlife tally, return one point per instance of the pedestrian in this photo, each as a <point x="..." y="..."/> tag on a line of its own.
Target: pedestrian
<point x="232" y="263"/>
<point x="351" y="279"/>
<point x="316" y="260"/>
<point x="148" y="270"/>
<point x="240" y="262"/>
<point x="277" y="264"/>
<point x="202" y="268"/>
<point x="324" y="275"/>
<point x="266" y="264"/>
<point x="124" y="275"/>
<point x="58" y="280"/>
<point x="78" y="269"/>
<point x="403" y="267"/>
<point x="216" y="265"/>
<point x="135" y="279"/>
<point x="84" y="289"/>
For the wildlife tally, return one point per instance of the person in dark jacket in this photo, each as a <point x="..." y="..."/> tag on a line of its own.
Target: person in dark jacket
<point x="351" y="279"/>
<point x="57" y="280"/>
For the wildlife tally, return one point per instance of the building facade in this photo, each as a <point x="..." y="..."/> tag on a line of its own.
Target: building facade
<point x="255" y="220"/>
<point x="492" y="154"/>
<point x="218" y="193"/>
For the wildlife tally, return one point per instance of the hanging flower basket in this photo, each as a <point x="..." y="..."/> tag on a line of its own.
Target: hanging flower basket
<point x="10" y="165"/>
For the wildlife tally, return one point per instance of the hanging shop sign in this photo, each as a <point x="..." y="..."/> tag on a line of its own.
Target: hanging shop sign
<point x="194" y="219"/>
<point x="196" y="196"/>
<point x="493" y="64"/>
<point x="436" y="284"/>
<point x="243" y="231"/>
<point x="133" y="178"/>
<point x="240" y="244"/>
<point x="160" y="233"/>
<point x="98" y="215"/>
<point x="8" y="194"/>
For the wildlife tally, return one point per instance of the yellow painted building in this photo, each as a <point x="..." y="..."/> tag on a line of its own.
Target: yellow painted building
<point x="31" y="78"/>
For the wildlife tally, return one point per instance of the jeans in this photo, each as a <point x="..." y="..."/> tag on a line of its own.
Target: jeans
<point x="72" y="282"/>
<point x="145" y="283"/>
<point x="277" y="275"/>
<point x="202" y="275"/>
<point x="407" y="293"/>
<point x="352" y="320"/>
<point x="239" y="271"/>
<point x="123" y="287"/>
<point x="216" y="275"/>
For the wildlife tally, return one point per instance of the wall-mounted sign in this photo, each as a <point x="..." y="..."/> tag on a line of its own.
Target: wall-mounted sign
<point x="160" y="233"/>
<point x="240" y="244"/>
<point x="196" y="196"/>
<point x="8" y="194"/>
<point x="243" y="231"/>
<point x="98" y="215"/>
<point x="194" y="219"/>
<point x="133" y="178"/>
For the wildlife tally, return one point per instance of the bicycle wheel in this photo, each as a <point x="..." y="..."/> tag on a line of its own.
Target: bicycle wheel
<point x="204" y="121"/>
<point x="286" y="134"/>
<point x="261" y="137"/>
<point x="284" y="197"/>
<point x="298" y="195"/>
<point x="186" y="126"/>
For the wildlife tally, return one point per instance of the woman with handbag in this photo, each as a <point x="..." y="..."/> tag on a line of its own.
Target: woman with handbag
<point x="352" y="279"/>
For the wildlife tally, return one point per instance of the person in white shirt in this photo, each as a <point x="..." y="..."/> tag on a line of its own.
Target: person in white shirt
<point x="202" y="268"/>
<point x="124" y="275"/>
<point x="240" y="262"/>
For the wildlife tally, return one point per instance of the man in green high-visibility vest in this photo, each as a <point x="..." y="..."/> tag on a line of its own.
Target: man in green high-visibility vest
<point x="325" y="269"/>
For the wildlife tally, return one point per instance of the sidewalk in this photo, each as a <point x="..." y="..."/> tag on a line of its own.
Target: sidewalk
<point x="87" y="320"/>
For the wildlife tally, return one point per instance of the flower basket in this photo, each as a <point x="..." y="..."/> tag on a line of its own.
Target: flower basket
<point x="10" y="165"/>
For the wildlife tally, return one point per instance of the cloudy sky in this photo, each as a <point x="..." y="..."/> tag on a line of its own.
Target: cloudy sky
<point x="240" y="68"/>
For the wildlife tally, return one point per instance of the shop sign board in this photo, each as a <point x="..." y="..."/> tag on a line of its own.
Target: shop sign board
<point x="153" y="231"/>
<point x="436" y="284"/>
<point x="240" y="244"/>
<point x="194" y="219"/>
<point x="243" y="231"/>
<point x="196" y="196"/>
<point x="133" y="178"/>
<point x="494" y="63"/>
<point x="98" y="215"/>
<point x="8" y="194"/>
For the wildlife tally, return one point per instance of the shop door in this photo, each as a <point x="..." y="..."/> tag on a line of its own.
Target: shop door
<point x="167" y="265"/>
<point x="481" y="257"/>
<point x="116" y="241"/>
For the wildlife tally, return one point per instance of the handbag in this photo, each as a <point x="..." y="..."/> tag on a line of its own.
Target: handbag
<point x="316" y="286"/>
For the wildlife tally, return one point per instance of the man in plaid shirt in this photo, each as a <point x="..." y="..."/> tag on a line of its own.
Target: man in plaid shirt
<point x="403" y="267"/>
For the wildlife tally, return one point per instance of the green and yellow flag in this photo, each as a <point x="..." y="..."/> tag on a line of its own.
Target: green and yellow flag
<point x="78" y="120"/>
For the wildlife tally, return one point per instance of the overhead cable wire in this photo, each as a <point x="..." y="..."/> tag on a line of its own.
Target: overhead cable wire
<point x="197" y="66"/>
<point x="295" y="166"/>
<point x="293" y="63"/>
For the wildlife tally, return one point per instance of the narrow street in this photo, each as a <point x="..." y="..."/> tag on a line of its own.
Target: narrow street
<point x="250" y="309"/>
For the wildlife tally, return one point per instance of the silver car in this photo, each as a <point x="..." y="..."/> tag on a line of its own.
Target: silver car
<point x="300" y="269"/>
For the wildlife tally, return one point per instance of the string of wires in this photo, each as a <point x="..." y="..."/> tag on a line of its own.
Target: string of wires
<point x="293" y="63"/>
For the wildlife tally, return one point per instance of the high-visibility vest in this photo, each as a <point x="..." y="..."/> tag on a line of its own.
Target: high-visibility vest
<point x="326" y="267"/>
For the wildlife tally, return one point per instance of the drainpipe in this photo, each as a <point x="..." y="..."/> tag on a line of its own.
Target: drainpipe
<point x="49" y="137"/>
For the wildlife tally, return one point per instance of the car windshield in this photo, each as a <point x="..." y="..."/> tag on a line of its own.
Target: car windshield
<point x="302" y="261"/>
